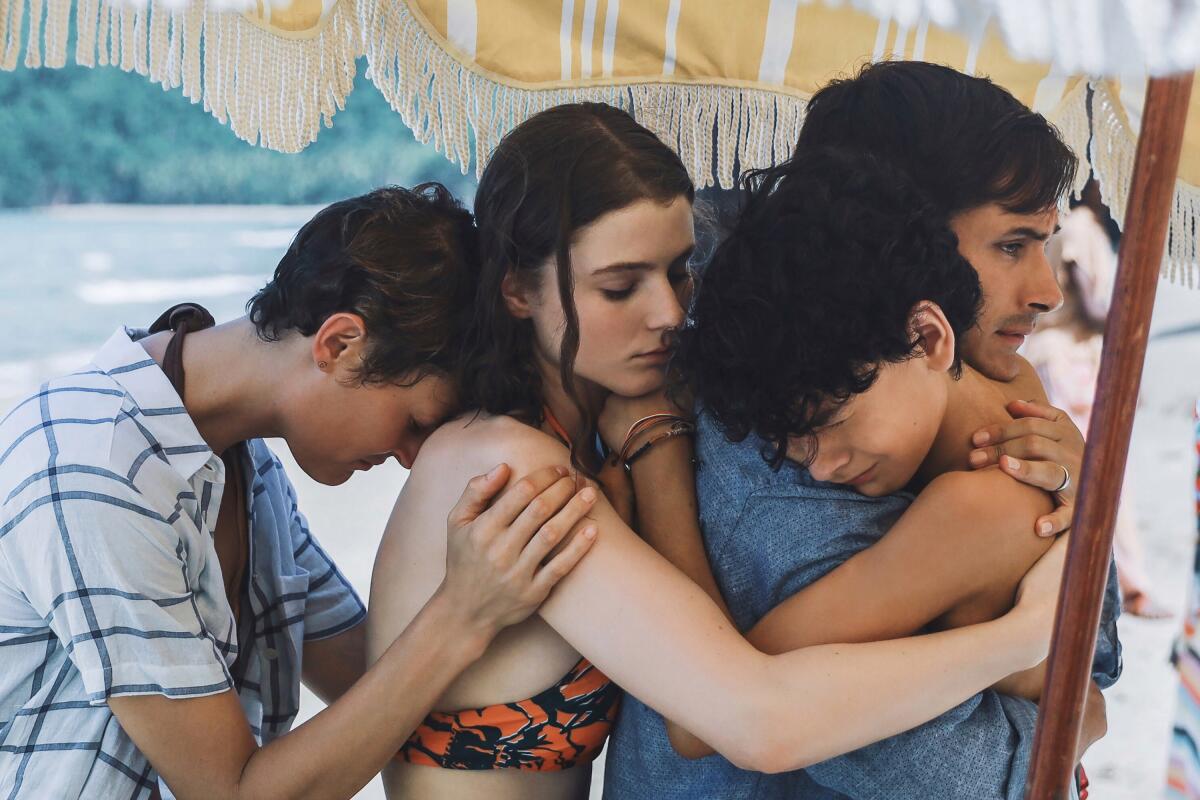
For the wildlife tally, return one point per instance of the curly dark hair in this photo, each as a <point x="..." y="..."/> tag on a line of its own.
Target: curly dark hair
<point x="552" y="175"/>
<point x="814" y="291"/>
<point x="965" y="141"/>
<point x="402" y="259"/>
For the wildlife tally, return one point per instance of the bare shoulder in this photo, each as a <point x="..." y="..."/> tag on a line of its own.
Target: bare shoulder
<point x="988" y="498"/>
<point x="481" y="441"/>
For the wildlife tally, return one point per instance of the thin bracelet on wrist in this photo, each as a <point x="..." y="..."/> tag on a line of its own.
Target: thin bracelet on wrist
<point x="682" y="428"/>
<point x="645" y="424"/>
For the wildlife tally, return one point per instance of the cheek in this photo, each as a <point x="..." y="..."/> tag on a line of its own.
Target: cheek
<point x="999" y="283"/>
<point x="604" y="329"/>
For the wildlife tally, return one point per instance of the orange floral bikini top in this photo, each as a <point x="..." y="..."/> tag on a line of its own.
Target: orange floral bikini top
<point x="556" y="729"/>
<point x="559" y="728"/>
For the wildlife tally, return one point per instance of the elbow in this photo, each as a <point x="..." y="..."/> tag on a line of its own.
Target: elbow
<point x="685" y="744"/>
<point x="773" y="741"/>
<point x="769" y="755"/>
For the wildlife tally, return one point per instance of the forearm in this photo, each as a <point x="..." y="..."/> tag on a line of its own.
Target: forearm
<point x="668" y="515"/>
<point x="338" y="751"/>
<point x="859" y="694"/>
<point x="978" y="749"/>
<point x="669" y="521"/>
<point x="1027" y="683"/>
<point x="765" y="713"/>
<point x="333" y="665"/>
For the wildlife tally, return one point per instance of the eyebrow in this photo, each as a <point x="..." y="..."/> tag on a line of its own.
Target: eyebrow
<point x="641" y="266"/>
<point x="1031" y="233"/>
<point x="625" y="266"/>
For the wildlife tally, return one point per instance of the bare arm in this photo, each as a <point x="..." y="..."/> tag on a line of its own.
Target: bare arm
<point x="664" y="485"/>
<point x="658" y="635"/>
<point x="964" y="538"/>
<point x="668" y="515"/>
<point x="495" y="576"/>
<point x="331" y="666"/>
<point x="955" y="557"/>
<point x="203" y="747"/>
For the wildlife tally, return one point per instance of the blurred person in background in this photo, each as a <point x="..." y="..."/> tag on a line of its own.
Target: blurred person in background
<point x="1065" y="351"/>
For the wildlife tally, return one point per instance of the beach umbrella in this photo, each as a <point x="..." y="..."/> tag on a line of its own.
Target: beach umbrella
<point x="725" y="84"/>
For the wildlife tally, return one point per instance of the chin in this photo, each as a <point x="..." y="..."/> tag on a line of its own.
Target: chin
<point x="992" y="358"/>
<point x="1003" y="365"/>
<point x="636" y="386"/>
<point x="336" y="479"/>
<point x="873" y="489"/>
<point x="325" y="474"/>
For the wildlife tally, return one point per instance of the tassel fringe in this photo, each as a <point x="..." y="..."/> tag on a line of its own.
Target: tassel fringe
<point x="276" y="91"/>
<point x="1114" y="147"/>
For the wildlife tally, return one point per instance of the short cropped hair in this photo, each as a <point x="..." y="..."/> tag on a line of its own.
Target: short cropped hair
<point x="963" y="140"/>
<point x="402" y="259"/>
<point x="814" y="290"/>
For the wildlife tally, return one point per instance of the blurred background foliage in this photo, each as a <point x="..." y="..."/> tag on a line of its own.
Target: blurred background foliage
<point x="80" y="135"/>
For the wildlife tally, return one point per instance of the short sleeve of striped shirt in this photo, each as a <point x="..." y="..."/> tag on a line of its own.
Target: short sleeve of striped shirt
<point x="333" y="606"/>
<point x="109" y="574"/>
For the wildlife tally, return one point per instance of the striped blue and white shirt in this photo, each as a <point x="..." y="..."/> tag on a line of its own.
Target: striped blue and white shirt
<point x="110" y="584"/>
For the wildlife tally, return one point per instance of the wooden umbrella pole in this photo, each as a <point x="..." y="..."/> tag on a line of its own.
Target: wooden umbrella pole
<point x="1086" y="570"/>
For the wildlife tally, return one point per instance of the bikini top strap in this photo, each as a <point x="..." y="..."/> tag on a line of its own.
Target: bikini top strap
<point x="556" y="426"/>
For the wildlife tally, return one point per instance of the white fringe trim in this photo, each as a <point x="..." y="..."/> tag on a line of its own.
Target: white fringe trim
<point x="450" y="104"/>
<point x="276" y="90"/>
<point x="1070" y="116"/>
<point x="1114" y="147"/>
<point x="270" y="89"/>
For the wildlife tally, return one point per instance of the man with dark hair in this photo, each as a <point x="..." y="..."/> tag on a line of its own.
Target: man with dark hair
<point x="161" y="596"/>
<point x="996" y="171"/>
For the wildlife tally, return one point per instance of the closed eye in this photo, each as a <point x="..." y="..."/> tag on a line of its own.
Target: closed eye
<point x="618" y="294"/>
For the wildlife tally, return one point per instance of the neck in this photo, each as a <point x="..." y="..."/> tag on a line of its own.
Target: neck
<point x="232" y="385"/>
<point x="972" y="402"/>
<point x="568" y="414"/>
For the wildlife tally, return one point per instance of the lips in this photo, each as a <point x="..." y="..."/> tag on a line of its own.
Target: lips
<point x="367" y="463"/>
<point x="661" y="354"/>
<point x="1014" y="336"/>
<point x="862" y="477"/>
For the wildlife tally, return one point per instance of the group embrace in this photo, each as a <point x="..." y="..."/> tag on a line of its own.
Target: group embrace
<point x="785" y="528"/>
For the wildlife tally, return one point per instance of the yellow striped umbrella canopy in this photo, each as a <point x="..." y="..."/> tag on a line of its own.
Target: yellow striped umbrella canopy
<point x="722" y="82"/>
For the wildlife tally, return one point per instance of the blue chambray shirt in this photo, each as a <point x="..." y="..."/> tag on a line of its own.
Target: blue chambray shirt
<point x="110" y="584"/>
<point x="769" y="534"/>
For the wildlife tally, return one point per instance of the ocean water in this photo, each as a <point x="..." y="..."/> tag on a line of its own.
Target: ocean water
<point x="69" y="276"/>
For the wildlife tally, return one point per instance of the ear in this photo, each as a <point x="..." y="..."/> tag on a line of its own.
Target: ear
<point x="339" y="344"/>
<point x="936" y="336"/>
<point x="516" y="299"/>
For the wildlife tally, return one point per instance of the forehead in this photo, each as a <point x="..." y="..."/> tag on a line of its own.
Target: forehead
<point x="992" y="220"/>
<point x="430" y="396"/>
<point x="646" y="231"/>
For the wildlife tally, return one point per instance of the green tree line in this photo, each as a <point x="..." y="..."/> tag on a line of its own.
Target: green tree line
<point x="80" y="135"/>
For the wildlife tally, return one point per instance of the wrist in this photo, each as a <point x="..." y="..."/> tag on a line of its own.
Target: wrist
<point x="674" y="456"/>
<point x="1027" y="637"/>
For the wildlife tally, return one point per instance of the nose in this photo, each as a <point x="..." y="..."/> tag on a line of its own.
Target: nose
<point x="407" y="454"/>
<point x="827" y="461"/>
<point x="1042" y="292"/>
<point x="667" y="311"/>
